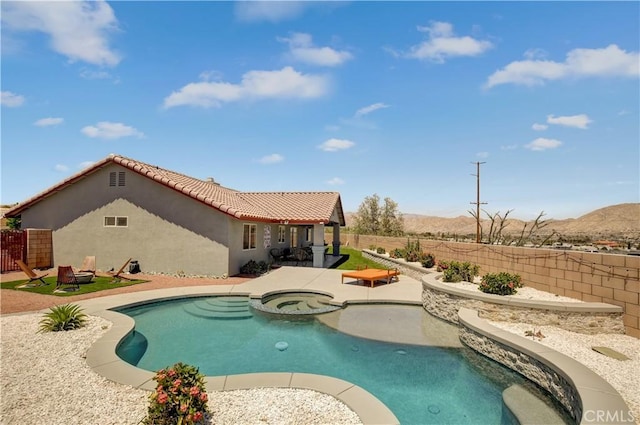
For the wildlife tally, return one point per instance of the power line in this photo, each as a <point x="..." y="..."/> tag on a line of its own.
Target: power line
<point x="477" y="202"/>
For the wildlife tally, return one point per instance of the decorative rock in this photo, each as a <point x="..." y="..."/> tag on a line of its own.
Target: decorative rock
<point x="433" y="409"/>
<point x="281" y="345"/>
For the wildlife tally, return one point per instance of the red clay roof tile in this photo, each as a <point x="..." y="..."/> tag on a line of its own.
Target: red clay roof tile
<point x="292" y="207"/>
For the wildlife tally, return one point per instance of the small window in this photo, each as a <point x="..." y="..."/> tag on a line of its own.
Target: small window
<point x="294" y="237"/>
<point x="112" y="178"/>
<point x="281" y="234"/>
<point x="121" y="178"/>
<point x="249" y="236"/>
<point x="116" y="221"/>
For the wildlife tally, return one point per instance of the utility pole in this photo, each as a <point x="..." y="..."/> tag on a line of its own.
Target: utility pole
<point x="477" y="202"/>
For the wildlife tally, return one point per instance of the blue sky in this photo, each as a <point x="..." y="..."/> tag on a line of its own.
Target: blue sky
<point x="394" y="98"/>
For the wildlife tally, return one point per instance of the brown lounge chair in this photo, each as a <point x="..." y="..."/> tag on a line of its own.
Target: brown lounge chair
<point x="371" y="275"/>
<point x="31" y="274"/>
<point x="117" y="276"/>
<point x="66" y="277"/>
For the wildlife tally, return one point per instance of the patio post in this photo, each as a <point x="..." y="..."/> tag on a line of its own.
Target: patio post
<point x="318" y="245"/>
<point x="336" y="239"/>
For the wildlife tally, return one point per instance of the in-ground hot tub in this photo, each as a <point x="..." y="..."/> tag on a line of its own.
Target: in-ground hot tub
<point x="294" y="303"/>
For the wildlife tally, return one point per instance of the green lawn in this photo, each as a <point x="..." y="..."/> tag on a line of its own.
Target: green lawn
<point x="97" y="284"/>
<point x="356" y="260"/>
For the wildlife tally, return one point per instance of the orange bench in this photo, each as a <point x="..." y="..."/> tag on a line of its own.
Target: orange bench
<point x="371" y="275"/>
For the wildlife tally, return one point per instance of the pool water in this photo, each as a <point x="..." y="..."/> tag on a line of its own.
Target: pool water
<point x="420" y="384"/>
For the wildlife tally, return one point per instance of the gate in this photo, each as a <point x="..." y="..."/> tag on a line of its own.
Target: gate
<point x="13" y="244"/>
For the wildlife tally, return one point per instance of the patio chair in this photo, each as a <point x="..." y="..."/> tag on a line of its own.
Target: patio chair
<point x="117" y="276"/>
<point x="33" y="276"/>
<point x="66" y="276"/>
<point x="276" y="254"/>
<point x="88" y="265"/>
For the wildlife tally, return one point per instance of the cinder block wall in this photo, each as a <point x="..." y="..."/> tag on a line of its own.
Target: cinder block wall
<point x="592" y="277"/>
<point x="39" y="248"/>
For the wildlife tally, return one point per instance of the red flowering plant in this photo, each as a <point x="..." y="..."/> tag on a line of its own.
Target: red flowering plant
<point x="179" y="399"/>
<point x="500" y="283"/>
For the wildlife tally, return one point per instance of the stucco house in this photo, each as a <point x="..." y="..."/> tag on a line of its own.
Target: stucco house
<point x="121" y="208"/>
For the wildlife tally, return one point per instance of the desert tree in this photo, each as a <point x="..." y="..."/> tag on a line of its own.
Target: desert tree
<point x="373" y="218"/>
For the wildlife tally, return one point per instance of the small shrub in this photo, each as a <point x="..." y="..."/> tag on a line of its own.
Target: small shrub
<point x="63" y="318"/>
<point x="412" y="256"/>
<point x="180" y="397"/>
<point x="455" y="271"/>
<point x="451" y="274"/>
<point x="500" y="283"/>
<point x="372" y="247"/>
<point x="428" y="261"/>
<point x="442" y="266"/>
<point x="396" y="253"/>
<point x="252" y="267"/>
<point x="380" y="250"/>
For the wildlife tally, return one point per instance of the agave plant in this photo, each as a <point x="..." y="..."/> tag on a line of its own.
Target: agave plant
<point x="63" y="318"/>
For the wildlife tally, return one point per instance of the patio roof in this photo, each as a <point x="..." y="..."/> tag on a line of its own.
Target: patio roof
<point x="272" y="207"/>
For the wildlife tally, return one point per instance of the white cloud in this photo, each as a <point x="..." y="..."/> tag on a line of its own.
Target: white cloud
<point x="442" y="44"/>
<point x="285" y="83"/>
<point x="301" y="49"/>
<point x="368" y="109"/>
<point x="578" y="121"/>
<point x="45" y="122"/>
<point x="61" y="168"/>
<point x="335" y="181"/>
<point x="11" y="100"/>
<point x="333" y="145"/>
<point x="608" y="62"/>
<point x="272" y="11"/>
<point x="539" y="127"/>
<point x="542" y="144"/>
<point x="89" y="74"/>
<point x="111" y="130"/>
<point x="271" y="159"/>
<point x="78" y="29"/>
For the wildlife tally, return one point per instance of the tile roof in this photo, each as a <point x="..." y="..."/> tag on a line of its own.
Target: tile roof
<point x="293" y="207"/>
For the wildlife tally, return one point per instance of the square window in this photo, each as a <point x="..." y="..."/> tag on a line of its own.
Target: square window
<point x="109" y="221"/>
<point x="122" y="221"/>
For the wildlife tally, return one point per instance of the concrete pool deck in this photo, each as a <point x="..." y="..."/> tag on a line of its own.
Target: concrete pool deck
<point x="102" y="357"/>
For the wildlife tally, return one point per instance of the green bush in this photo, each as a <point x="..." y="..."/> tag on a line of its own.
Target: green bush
<point x="372" y="247"/>
<point x="253" y="268"/>
<point x="396" y="253"/>
<point x="428" y="261"/>
<point x="455" y="271"/>
<point x="500" y="283"/>
<point x="380" y="250"/>
<point x="63" y="318"/>
<point x="179" y="398"/>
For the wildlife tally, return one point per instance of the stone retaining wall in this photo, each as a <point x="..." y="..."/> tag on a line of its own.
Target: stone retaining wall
<point x="590" y="277"/>
<point x="587" y="320"/>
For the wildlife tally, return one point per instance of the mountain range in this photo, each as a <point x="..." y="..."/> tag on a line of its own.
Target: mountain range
<point x="615" y="221"/>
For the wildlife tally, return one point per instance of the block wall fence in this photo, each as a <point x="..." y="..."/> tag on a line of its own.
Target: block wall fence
<point x="39" y="248"/>
<point x="591" y="277"/>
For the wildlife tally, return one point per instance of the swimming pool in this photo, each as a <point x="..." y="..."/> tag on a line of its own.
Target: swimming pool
<point x="423" y="377"/>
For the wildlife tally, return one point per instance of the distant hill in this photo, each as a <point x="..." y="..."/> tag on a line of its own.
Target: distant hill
<point x="621" y="220"/>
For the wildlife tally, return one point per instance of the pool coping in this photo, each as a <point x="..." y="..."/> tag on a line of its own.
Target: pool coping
<point x="101" y="357"/>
